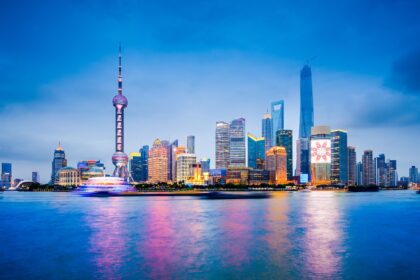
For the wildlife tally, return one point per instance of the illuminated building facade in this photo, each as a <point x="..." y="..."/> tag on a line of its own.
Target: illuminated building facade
<point x="256" y="148"/>
<point x="199" y="177"/>
<point x="276" y="164"/>
<point x="368" y="177"/>
<point x="90" y="168"/>
<point x="6" y="175"/>
<point x="339" y="160"/>
<point x="67" y="177"/>
<point x="284" y="138"/>
<point x="237" y="175"/>
<point x="258" y="177"/>
<point x="277" y="115"/>
<point x="191" y="144"/>
<point x="237" y="147"/>
<point x="120" y="102"/>
<point x="351" y="166"/>
<point x="59" y="161"/>
<point x="320" y="155"/>
<point x="267" y="131"/>
<point x="158" y="163"/>
<point x="222" y="145"/>
<point x="184" y="167"/>
<point x="218" y="176"/>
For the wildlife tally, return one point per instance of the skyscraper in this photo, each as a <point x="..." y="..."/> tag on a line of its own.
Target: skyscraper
<point x="306" y="122"/>
<point x="120" y="102"/>
<point x="158" y="162"/>
<point x="284" y="138"/>
<point x="306" y="103"/>
<point x="367" y="161"/>
<point x="59" y="161"/>
<point x="6" y="175"/>
<point x="191" y="144"/>
<point x="320" y="155"/>
<point x="255" y="152"/>
<point x="276" y="164"/>
<point x="339" y="160"/>
<point x="135" y="166"/>
<point x="277" y="115"/>
<point x="351" y="166"/>
<point x="413" y="174"/>
<point x="171" y="159"/>
<point x="380" y="170"/>
<point x="392" y="175"/>
<point x="222" y="145"/>
<point x="144" y="158"/>
<point x="237" y="148"/>
<point x="359" y="173"/>
<point x="267" y="131"/>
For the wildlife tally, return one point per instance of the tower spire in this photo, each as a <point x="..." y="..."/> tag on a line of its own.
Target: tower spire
<point x="119" y="70"/>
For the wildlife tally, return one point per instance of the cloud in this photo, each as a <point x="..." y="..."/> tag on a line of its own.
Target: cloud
<point x="405" y="73"/>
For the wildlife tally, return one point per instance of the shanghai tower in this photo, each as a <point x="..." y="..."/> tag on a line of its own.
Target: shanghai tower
<point x="120" y="102"/>
<point x="306" y="121"/>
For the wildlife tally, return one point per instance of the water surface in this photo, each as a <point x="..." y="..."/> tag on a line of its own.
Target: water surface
<point x="317" y="235"/>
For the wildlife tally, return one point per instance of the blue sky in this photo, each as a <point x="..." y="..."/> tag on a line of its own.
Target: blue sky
<point x="188" y="64"/>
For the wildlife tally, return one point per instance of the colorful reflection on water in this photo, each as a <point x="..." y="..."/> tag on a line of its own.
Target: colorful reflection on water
<point x="318" y="235"/>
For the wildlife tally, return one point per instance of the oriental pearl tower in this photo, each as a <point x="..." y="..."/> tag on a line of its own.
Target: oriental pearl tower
<point x="120" y="102"/>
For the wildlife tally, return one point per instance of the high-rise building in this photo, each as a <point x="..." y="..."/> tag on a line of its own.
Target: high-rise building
<point x="306" y="103"/>
<point x="392" y="175"/>
<point x="320" y="155"/>
<point x="380" y="170"/>
<point x="255" y="152"/>
<point x="413" y="174"/>
<point x="302" y="157"/>
<point x="205" y="165"/>
<point x="191" y="144"/>
<point x="120" y="102"/>
<point x="222" y="145"/>
<point x="351" y="166"/>
<point x="276" y="164"/>
<point x="267" y="131"/>
<point x="306" y="122"/>
<point x="135" y="166"/>
<point x="184" y="167"/>
<point x="368" y="170"/>
<point x="35" y="177"/>
<point x="144" y="158"/>
<point x="339" y="159"/>
<point x="237" y="148"/>
<point x="277" y="115"/>
<point x="59" y="161"/>
<point x="359" y="174"/>
<point x="284" y="138"/>
<point x="158" y="162"/>
<point x="6" y="175"/>
<point x="171" y="159"/>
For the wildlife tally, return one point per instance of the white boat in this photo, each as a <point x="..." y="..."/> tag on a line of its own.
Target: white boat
<point x="104" y="186"/>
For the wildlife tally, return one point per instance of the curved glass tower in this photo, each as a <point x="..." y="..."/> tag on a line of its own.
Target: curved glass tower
<point x="120" y="102"/>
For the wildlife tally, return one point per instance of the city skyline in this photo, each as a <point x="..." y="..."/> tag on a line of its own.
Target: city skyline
<point x="171" y="86"/>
